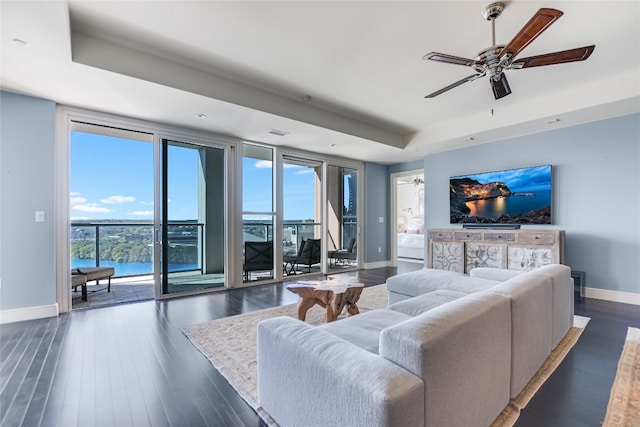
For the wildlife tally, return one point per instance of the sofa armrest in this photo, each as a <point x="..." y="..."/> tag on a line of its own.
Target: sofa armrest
<point x="307" y="376"/>
<point x="499" y="274"/>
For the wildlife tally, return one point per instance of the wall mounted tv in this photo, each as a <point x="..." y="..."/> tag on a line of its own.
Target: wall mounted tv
<point x="515" y="196"/>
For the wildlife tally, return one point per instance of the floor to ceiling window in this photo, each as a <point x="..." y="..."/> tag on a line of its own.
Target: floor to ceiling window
<point x="111" y="211"/>
<point x="342" y="218"/>
<point x="258" y="213"/>
<point x="163" y="211"/>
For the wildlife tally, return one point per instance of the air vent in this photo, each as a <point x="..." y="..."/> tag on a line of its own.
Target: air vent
<point x="278" y="132"/>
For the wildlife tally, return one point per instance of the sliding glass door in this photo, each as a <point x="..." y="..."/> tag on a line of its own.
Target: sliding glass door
<point x="342" y="218"/>
<point x="302" y="216"/>
<point x="192" y="217"/>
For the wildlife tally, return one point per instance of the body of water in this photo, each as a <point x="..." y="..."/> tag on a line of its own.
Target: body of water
<point x="129" y="268"/>
<point x="512" y="205"/>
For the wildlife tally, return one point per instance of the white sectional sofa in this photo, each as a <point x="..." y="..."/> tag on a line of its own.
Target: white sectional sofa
<point x="449" y="355"/>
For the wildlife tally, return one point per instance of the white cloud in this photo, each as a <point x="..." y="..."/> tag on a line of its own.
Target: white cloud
<point x="116" y="200"/>
<point x="141" y="213"/>
<point x="264" y="164"/>
<point x="144" y="202"/>
<point x="75" y="193"/>
<point x="303" y="171"/>
<point x="91" y="207"/>
<point x="78" y="200"/>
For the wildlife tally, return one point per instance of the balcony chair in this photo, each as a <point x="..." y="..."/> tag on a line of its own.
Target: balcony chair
<point x="258" y="256"/>
<point x="308" y="255"/>
<point x="350" y="253"/>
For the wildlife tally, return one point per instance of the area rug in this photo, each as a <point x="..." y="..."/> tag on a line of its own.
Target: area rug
<point x="230" y="345"/>
<point x="623" y="409"/>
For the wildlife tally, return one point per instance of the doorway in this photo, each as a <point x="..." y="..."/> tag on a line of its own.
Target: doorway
<point x="408" y="216"/>
<point x="192" y="223"/>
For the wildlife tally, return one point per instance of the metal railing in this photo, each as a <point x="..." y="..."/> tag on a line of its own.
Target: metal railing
<point x="128" y="246"/>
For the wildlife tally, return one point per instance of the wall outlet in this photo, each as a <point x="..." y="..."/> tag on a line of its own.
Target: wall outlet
<point x="379" y="249"/>
<point x="39" y="216"/>
<point x="381" y="219"/>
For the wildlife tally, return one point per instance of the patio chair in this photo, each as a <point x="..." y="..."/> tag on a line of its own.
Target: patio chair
<point x="309" y="256"/>
<point x="350" y="253"/>
<point x="258" y="256"/>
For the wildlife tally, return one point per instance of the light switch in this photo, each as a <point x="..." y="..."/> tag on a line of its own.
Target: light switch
<point x="39" y="216"/>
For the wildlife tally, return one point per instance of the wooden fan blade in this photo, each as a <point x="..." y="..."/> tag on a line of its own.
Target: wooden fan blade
<point x="500" y="87"/>
<point x="449" y="59"/>
<point x="536" y="25"/>
<point x="571" y="55"/>
<point x="456" y="84"/>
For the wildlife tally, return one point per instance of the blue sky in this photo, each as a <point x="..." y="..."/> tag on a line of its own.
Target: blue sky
<point x="112" y="178"/>
<point x="533" y="178"/>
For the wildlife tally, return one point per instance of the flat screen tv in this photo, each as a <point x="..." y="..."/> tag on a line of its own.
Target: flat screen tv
<point x="515" y="196"/>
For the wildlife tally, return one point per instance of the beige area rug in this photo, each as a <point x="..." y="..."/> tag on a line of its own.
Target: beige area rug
<point x="230" y="345"/>
<point x="623" y="409"/>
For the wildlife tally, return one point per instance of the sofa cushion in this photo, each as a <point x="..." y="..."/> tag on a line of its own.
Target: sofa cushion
<point x="307" y="376"/>
<point x="462" y="351"/>
<point x="562" y="284"/>
<point x="499" y="274"/>
<point x="469" y="285"/>
<point x="531" y="320"/>
<point x="421" y="281"/>
<point x="425" y="302"/>
<point x="364" y="329"/>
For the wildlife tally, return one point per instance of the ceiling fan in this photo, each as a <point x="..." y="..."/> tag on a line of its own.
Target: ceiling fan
<point x="495" y="60"/>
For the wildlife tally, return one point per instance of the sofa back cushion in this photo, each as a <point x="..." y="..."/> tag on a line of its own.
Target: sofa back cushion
<point x="462" y="351"/>
<point x="531" y="325"/>
<point x="562" y="284"/>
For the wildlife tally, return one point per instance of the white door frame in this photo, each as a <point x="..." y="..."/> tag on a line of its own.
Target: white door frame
<point x="394" y="211"/>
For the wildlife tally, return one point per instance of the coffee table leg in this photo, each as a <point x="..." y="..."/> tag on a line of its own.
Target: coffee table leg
<point x="352" y="297"/>
<point x="304" y="304"/>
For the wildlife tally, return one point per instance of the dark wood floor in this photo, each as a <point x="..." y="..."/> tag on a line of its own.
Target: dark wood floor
<point x="130" y="365"/>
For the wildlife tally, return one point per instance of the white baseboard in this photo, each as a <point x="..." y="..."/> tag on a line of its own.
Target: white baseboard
<point x="377" y="264"/>
<point x="28" y="313"/>
<point x="615" y="296"/>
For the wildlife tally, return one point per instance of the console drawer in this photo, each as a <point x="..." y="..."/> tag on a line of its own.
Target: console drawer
<point x="537" y="238"/>
<point x="465" y="235"/>
<point x="499" y="236"/>
<point x="440" y="235"/>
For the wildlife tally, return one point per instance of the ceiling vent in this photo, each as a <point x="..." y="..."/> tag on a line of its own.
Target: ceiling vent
<point x="278" y="132"/>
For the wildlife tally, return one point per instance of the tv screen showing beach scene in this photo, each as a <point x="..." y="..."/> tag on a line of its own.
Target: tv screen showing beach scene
<point x="514" y="196"/>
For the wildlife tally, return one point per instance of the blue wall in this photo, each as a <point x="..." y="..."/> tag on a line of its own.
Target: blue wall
<point x="27" y="257"/>
<point x="376" y="206"/>
<point x="596" y="192"/>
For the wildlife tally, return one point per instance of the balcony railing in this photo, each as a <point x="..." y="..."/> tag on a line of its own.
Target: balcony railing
<point x="128" y="246"/>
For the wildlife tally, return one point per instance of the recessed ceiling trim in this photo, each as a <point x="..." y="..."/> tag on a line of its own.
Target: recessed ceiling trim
<point x="106" y="55"/>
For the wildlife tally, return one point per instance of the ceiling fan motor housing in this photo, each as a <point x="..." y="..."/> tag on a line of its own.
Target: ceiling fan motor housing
<point x="493" y="10"/>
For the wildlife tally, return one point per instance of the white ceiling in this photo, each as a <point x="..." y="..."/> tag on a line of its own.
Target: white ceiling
<point x="249" y="65"/>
